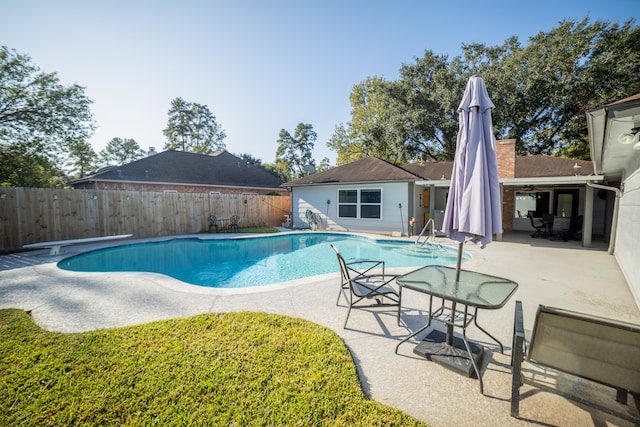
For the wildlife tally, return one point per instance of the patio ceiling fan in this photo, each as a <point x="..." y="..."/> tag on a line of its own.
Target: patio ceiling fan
<point x="628" y="138"/>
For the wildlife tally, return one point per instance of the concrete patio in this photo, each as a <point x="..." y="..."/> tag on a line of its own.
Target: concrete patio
<point x="555" y="273"/>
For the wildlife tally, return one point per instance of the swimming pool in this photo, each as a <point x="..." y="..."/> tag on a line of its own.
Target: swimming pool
<point x="255" y="261"/>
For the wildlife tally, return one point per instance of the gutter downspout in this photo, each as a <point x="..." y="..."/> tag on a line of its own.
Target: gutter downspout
<point x="614" y="221"/>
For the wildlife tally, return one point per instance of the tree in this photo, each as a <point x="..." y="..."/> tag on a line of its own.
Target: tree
<point x="348" y="151"/>
<point x="81" y="158"/>
<point x="271" y="168"/>
<point x="541" y="92"/>
<point x="40" y="119"/>
<point x="325" y="164"/>
<point x="425" y="99"/>
<point x="192" y="127"/>
<point x="120" y="151"/>
<point x="372" y="128"/>
<point x="294" y="153"/>
<point x="22" y="166"/>
<point x="250" y="159"/>
<point x="412" y="118"/>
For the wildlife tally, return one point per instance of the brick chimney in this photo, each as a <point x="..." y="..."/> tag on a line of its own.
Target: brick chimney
<point x="506" y="156"/>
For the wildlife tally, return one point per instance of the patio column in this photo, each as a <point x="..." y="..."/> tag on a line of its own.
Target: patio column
<point x="499" y="236"/>
<point x="587" y="223"/>
<point x="432" y="201"/>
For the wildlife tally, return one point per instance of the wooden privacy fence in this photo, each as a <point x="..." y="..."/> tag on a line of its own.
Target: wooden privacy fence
<point x="32" y="215"/>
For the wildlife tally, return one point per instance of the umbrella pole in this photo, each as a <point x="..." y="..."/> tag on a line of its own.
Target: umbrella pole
<point x="453" y="304"/>
<point x="459" y="263"/>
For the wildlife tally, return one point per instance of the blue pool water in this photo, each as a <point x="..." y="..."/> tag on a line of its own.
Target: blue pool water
<point x="255" y="261"/>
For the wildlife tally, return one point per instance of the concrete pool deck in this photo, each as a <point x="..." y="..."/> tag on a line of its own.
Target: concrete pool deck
<point x="555" y="273"/>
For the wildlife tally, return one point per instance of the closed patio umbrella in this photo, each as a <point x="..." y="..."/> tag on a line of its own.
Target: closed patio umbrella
<point x="474" y="210"/>
<point x="473" y="213"/>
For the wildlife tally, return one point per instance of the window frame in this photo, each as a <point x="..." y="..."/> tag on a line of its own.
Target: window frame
<point x="359" y="204"/>
<point x="541" y="202"/>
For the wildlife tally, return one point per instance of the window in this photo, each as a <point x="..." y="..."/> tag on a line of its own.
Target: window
<point x="348" y="203"/>
<point x="370" y="201"/>
<point x="534" y="202"/>
<point x="363" y="203"/>
<point x="565" y="203"/>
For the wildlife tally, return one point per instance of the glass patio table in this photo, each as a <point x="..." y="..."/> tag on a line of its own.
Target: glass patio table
<point x="472" y="291"/>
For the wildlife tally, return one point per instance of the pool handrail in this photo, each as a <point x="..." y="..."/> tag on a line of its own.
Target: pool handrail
<point x="431" y="235"/>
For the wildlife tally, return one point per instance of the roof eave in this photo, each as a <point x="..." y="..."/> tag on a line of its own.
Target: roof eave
<point x="435" y="183"/>
<point x="605" y="125"/>
<point x="319" y="183"/>
<point x="596" y="121"/>
<point x="551" y="180"/>
<point x="120" y="181"/>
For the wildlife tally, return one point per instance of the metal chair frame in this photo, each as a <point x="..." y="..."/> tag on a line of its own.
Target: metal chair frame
<point x="233" y="222"/>
<point x="213" y="222"/>
<point x="364" y="285"/>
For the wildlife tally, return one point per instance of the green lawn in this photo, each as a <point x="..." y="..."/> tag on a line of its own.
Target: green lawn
<point x="212" y="369"/>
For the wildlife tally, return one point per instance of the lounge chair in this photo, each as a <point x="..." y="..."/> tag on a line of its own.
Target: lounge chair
<point x="567" y="348"/>
<point x="362" y="285"/>
<point x="213" y="222"/>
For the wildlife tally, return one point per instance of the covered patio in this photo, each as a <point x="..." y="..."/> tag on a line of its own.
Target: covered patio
<point x="542" y="185"/>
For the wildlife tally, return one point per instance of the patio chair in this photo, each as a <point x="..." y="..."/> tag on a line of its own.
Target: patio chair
<point x="547" y="220"/>
<point x="363" y="286"/>
<point x="359" y="267"/>
<point x="540" y="227"/>
<point x="233" y="222"/>
<point x="575" y="228"/>
<point x="561" y="227"/>
<point x="213" y="222"/>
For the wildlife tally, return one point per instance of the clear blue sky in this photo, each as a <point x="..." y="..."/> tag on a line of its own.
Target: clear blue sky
<point x="260" y="66"/>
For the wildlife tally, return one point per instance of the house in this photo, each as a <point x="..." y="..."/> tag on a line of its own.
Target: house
<point x="183" y="172"/>
<point x="374" y="195"/>
<point x="541" y="184"/>
<point x="366" y="195"/>
<point x="615" y="150"/>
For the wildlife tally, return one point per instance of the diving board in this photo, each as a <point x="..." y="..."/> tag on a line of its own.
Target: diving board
<point x="56" y="245"/>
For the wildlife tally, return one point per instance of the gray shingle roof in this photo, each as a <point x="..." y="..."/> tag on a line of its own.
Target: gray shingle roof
<point x="539" y="166"/>
<point x="548" y="166"/>
<point x="179" y="167"/>
<point x="369" y="169"/>
<point x="431" y="171"/>
<point x="372" y="169"/>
